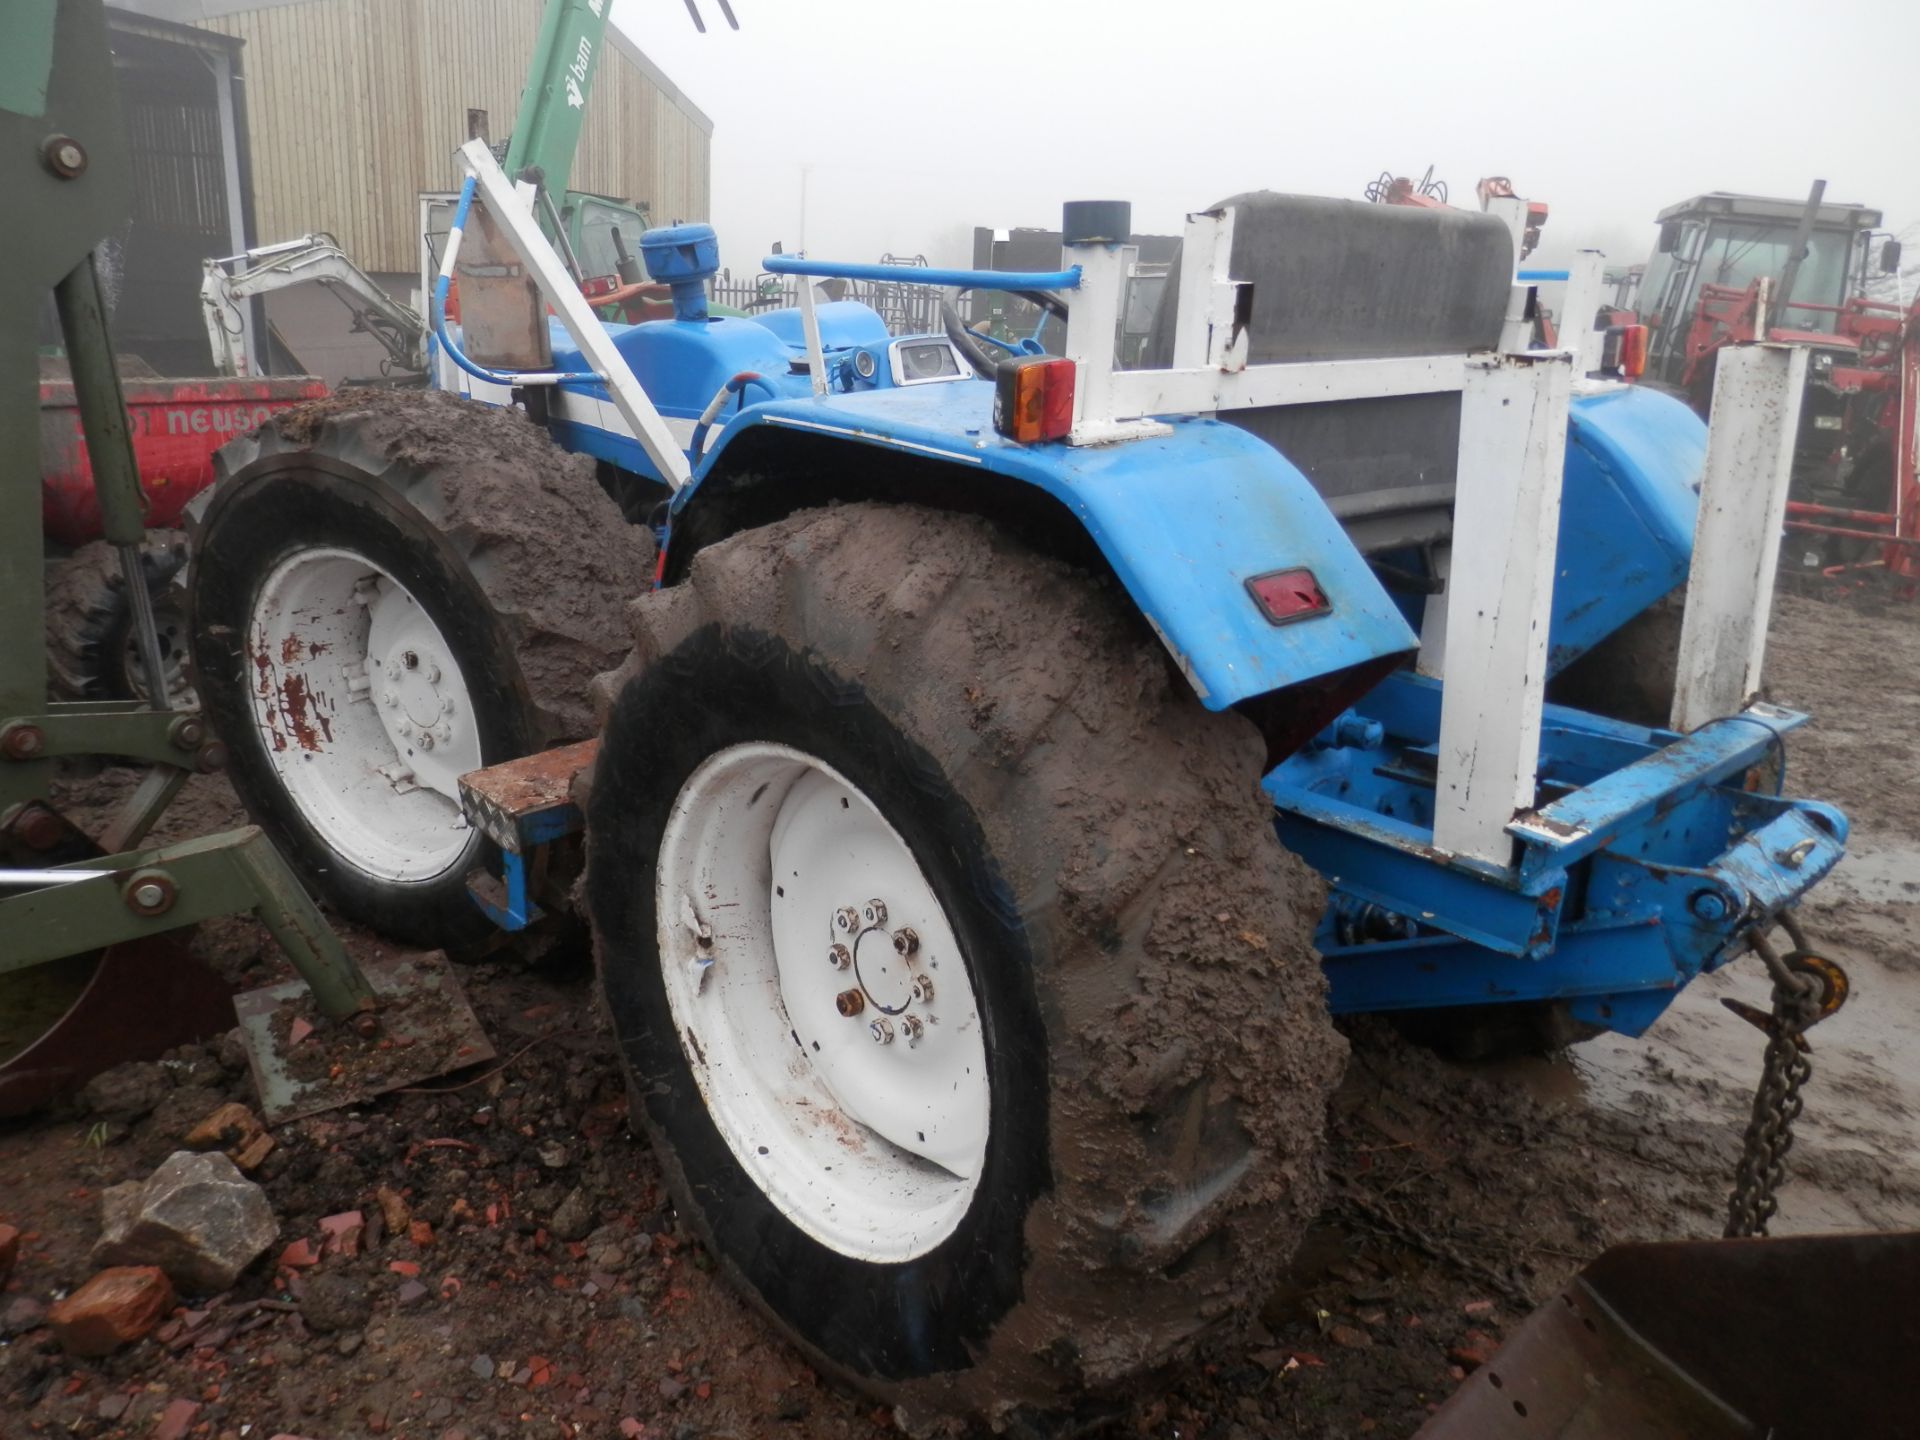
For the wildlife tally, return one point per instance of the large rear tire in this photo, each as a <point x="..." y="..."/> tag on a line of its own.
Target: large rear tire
<point x="92" y="652"/>
<point x="389" y="589"/>
<point x="887" y="703"/>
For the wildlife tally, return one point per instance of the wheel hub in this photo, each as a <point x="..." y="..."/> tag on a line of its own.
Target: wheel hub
<point x="362" y="712"/>
<point x="808" y="1021"/>
<point x="883" y="971"/>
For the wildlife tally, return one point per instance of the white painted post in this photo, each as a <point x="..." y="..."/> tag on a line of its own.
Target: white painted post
<point x="1757" y="391"/>
<point x="1203" y="319"/>
<point x="1577" y="309"/>
<point x="1093" y="320"/>
<point x="1506" y="521"/>
<point x="810" y="330"/>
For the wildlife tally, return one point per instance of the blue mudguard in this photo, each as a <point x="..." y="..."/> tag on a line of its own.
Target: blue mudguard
<point x="1185" y="520"/>
<point x="1627" y="505"/>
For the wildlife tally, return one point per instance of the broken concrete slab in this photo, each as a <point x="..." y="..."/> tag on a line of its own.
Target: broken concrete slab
<point x="196" y="1217"/>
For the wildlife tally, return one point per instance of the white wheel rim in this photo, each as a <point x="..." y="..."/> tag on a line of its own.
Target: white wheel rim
<point x="363" y="713"/>
<point x="873" y="1148"/>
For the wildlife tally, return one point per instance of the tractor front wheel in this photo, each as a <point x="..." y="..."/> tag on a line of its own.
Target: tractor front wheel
<point x="958" y="975"/>
<point x="388" y="590"/>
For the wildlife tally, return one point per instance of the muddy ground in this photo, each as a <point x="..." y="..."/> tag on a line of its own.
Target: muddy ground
<point x="552" y="1293"/>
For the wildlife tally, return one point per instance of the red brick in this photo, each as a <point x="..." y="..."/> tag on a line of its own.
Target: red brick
<point x="343" y="1232"/>
<point x="175" y="1419"/>
<point x="299" y="1255"/>
<point x="9" y="1252"/>
<point x="114" y="1308"/>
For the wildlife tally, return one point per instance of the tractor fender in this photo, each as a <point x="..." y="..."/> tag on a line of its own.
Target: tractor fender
<point x="1184" y="520"/>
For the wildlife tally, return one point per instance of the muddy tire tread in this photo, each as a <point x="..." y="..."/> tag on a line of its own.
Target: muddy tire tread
<point x="1171" y="934"/>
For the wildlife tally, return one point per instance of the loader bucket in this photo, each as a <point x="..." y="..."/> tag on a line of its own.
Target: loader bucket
<point x="1804" y="1338"/>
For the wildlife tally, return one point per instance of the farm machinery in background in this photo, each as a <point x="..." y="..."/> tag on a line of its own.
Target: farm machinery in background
<point x="1730" y="270"/>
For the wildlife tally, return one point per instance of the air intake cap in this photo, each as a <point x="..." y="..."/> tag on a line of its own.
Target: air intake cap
<point x="685" y="257"/>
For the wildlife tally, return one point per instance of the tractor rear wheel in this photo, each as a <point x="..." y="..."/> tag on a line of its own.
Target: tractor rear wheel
<point x="389" y="589"/>
<point x="959" y="978"/>
<point x="92" y="652"/>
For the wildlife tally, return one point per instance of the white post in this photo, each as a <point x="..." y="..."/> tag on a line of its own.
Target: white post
<point x="1577" y="309"/>
<point x="1093" y="319"/>
<point x="1203" y="320"/>
<point x="1506" y="521"/>
<point x="1757" y="391"/>
<point x="810" y="331"/>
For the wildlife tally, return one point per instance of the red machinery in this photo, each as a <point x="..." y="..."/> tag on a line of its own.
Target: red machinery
<point x="1731" y="269"/>
<point x="176" y="424"/>
<point x="1868" y="370"/>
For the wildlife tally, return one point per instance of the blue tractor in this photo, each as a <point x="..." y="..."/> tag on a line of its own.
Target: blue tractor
<point x="986" y="776"/>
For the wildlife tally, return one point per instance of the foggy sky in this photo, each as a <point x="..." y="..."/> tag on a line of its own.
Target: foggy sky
<point x="917" y="119"/>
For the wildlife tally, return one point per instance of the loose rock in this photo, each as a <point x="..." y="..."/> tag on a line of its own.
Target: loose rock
<point x="9" y="1252"/>
<point x="21" y="1314"/>
<point x="114" y="1308"/>
<point x="335" y="1302"/>
<point x="126" y="1092"/>
<point x="574" y="1218"/>
<point x="197" y="1217"/>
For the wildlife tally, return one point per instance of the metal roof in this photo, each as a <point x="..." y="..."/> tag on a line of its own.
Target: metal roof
<point x="1767" y="208"/>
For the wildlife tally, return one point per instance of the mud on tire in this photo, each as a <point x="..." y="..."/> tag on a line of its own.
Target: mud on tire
<point x="506" y="543"/>
<point x="1139" y="944"/>
<point x="91" y="650"/>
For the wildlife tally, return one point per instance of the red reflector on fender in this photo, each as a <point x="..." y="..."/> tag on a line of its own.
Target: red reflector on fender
<point x="1288" y="595"/>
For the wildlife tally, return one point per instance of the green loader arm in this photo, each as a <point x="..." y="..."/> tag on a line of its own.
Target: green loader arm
<point x="546" y="132"/>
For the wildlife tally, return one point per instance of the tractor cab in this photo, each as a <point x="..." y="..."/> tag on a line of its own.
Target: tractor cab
<point x="1714" y="247"/>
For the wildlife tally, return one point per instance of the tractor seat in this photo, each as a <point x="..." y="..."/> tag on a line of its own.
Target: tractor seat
<point x="1346" y="280"/>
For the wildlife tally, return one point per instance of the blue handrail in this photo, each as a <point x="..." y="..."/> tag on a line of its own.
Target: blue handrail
<point x="1540" y="276"/>
<point x="1068" y="279"/>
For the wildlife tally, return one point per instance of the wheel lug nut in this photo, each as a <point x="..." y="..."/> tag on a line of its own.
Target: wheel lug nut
<point x="409" y="659"/>
<point x="389" y="699"/>
<point x="433" y="673"/>
<point x="881" y="1031"/>
<point x="846" y="920"/>
<point x="875" y="913"/>
<point x="922" y="988"/>
<point x="840" y="957"/>
<point x="393" y="669"/>
<point x="849" y="1003"/>
<point x="906" y="940"/>
<point x="426" y="740"/>
<point x="911" y="1027"/>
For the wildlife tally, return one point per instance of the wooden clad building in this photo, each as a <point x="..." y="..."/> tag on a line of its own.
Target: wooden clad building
<point x="354" y="107"/>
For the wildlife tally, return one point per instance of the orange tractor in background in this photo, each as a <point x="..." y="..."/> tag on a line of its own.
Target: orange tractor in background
<point x="1731" y="269"/>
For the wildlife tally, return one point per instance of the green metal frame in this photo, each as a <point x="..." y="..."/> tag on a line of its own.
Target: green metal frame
<point x="63" y="163"/>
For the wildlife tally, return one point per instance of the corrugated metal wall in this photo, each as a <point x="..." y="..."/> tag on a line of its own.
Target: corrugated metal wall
<point x="355" y="105"/>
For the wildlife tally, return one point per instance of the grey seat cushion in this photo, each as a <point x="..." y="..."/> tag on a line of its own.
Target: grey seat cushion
<point x="1345" y="280"/>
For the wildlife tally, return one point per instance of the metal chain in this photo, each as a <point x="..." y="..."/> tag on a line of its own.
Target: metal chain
<point x="1777" y="1103"/>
